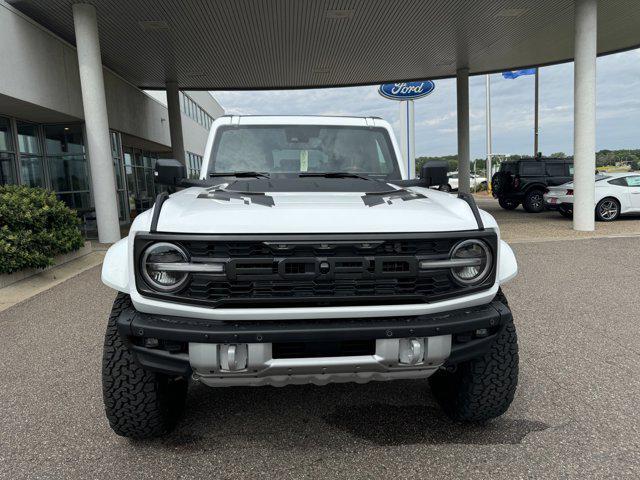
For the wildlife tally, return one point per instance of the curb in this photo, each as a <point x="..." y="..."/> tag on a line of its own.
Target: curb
<point x="11" y="278"/>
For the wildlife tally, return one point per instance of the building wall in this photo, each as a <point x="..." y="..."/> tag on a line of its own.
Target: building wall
<point x="40" y="90"/>
<point x="44" y="75"/>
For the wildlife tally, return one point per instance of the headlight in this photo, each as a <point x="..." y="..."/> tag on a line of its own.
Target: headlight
<point x="474" y="259"/>
<point x="162" y="266"/>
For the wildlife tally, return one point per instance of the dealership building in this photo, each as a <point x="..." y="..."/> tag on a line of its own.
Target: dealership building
<point x="43" y="133"/>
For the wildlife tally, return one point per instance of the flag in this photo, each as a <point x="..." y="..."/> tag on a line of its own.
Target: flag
<point x="518" y="73"/>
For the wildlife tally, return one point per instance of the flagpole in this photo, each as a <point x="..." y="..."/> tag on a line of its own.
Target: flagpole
<point x="488" y="164"/>
<point x="535" y="126"/>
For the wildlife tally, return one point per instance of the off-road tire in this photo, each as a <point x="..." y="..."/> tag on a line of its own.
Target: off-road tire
<point x="482" y="388"/>
<point x="534" y="201"/>
<point x="445" y="188"/>
<point x="508" y="204"/>
<point x="565" y="213"/>
<point x="138" y="403"/>
<point x="496" y="183"/>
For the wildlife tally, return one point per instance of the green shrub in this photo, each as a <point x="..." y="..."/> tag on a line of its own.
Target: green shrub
<point x="34" y="227"/>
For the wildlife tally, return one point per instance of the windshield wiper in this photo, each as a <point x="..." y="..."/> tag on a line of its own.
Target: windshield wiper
<point x="239" y="174"/>
<point x="335" y="175"/>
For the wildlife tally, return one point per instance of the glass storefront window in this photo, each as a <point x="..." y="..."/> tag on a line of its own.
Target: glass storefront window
<point x="64" y="140"/>
<point x="7" y="157"/>
<point x="68" y="168"/>
<point x="68" y="173"/>
<point x="28" y="138"/>
<point x="32" y="171"/>
<point x="7" y="169"/>
<point x="138" y="169"/>
<point x="81" y="201"/>
<point x="6" y="145"/>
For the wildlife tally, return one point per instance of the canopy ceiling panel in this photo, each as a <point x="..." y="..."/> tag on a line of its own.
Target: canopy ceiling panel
<point x="251" y="44"/>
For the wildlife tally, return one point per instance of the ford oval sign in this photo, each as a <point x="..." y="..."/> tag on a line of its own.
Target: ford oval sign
<point x="406" y="90"/>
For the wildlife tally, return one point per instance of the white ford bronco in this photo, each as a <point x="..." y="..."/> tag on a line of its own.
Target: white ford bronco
<point x="305" y="254"/>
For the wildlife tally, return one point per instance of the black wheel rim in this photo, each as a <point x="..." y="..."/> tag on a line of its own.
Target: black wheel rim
<point x="608" y="210"/>
<point x="536" y="201"/>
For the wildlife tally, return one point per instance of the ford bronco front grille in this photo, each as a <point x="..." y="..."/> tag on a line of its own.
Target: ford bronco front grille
<point x="328" y="270"/>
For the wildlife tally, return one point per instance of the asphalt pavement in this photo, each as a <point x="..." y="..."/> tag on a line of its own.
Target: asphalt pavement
<point x="575" y="414"/>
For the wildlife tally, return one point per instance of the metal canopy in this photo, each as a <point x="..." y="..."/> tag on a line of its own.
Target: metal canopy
<point x="252" y="44"/>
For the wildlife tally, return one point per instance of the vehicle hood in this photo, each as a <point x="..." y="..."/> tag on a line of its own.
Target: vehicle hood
<point x="198" y="210"/>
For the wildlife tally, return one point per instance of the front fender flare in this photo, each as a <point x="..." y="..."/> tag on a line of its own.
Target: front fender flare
<point x="115" y="268"/>
<point x="507" y="266"/>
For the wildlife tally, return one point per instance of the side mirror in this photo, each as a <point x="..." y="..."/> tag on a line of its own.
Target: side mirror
<point x="169" y="172"/>
<point x="434" y="173"/>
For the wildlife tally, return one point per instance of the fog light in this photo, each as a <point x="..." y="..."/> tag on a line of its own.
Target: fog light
<point x="151" y="342"/>
<point x="411" y="351"/>
<point x="482" y="332"/>
<point x="233" y="357"/>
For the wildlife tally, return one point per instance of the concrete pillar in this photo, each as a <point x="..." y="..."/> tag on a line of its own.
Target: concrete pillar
<point x="175" y="121"/>
<point x="408" y="136"/>
<point x="464" y="161"/>
<point x="584" y="113"/>
<point x="96" y="122"/>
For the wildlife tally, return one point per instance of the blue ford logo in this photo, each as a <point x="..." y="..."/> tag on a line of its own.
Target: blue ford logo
<point x="406" y="90"/>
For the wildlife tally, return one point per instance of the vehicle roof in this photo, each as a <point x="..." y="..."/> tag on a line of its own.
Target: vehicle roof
<point x="304" y="120"/>
<point x="541" y="159"/>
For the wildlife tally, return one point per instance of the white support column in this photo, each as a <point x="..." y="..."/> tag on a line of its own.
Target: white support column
<point x="408" y="137"/>
<point x="96" y="122"/>
<point x="584" y="120"/>
<point x="464" y="163"/>
<point x="175" y="121"/>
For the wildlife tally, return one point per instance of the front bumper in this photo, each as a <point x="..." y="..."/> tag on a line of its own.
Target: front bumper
<point x="223" y="353"/>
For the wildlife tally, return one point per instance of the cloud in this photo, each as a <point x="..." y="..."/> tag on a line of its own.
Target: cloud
<point x="512" y="108"/>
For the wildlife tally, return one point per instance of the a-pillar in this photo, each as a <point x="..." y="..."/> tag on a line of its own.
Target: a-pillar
<point x="464" y="161"/>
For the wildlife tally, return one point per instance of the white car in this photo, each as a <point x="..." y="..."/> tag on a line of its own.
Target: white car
<point x="452" y="184"/>
<point x="303" y="254"/>
<point x="616" y="194"/>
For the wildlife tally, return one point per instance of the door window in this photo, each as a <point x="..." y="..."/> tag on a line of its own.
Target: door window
<point x="531" y="168"/>
<point x="620" y="182"/>
<point x="555" y="169"/>
<point x="633" y="181"/>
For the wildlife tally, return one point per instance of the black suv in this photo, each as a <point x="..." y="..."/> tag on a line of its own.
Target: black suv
<point x="524" y="181"/>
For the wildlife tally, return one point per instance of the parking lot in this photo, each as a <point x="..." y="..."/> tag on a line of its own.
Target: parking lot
<point x="575" y="414"/>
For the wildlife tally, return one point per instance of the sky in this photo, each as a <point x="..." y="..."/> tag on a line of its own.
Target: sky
<point x="512" y="109"/>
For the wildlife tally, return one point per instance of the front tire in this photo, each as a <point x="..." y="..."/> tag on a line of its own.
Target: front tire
<point x="607" y="210"/>
<point x="482" y="388"/>
<point x="138" y="403"/>
<point x="445" y="188"/>
<point x="534" y="201"/>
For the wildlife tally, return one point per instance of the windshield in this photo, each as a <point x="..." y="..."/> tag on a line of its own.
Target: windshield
<point x="297" y="149"/>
